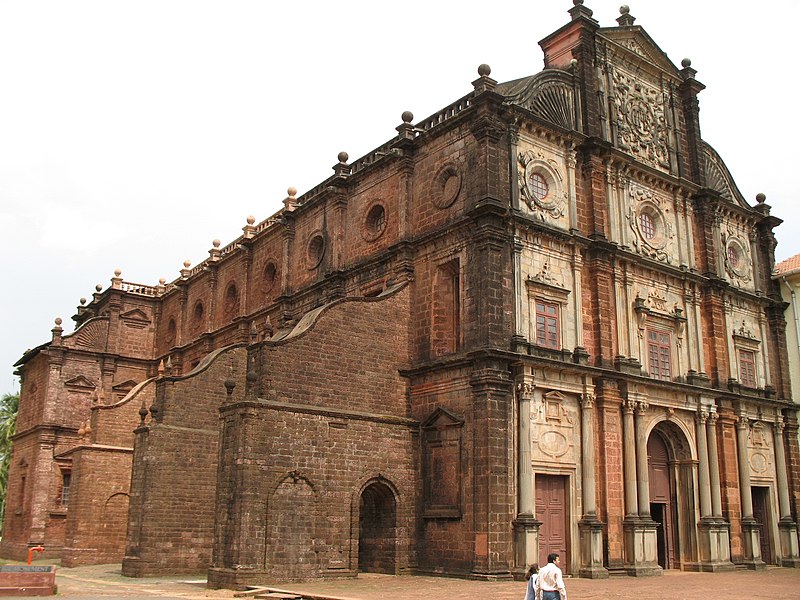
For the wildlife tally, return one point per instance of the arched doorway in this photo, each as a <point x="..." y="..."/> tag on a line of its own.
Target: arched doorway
<point x="377" y="529"/>
<point x="672" y="497"/>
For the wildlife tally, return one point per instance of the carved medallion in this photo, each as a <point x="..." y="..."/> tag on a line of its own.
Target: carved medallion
<point x="540" y="185"/>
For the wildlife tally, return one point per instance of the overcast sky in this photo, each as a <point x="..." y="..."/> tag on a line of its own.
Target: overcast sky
<point x="132" y="134"/>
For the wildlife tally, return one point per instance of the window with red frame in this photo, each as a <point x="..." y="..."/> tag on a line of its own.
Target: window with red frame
<point x="547" y="325"/>
<point x="747" y="368"/>
<point x="659" y="352"/>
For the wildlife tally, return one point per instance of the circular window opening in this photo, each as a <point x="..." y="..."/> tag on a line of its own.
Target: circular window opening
<point x="733" y="256"/>
<point x="316" y="249"/>
<point x="270" y="276"/>
<point x="375" y="222"/>
<point x="647" y="225"/>
<point x="538" y="186"/>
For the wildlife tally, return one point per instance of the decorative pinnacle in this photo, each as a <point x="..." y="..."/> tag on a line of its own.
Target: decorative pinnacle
<point x="291" y="192"/>
<point x="215" y="243"/>
<point x="82" y="301"/>
<point x="162" y="281"/>
<point x="623" y="10"/>
<point x="760" y="198"/>
<point x="343" y="156"/>
<point x="58" y="321"/>
<point x="686" y="62"/>
<point x="251" y="219"/>
<point x="484" y="70"/>
<point x="117" y="272"/>
<point x="187" y="264"/>
<point x="407" y="116"/>
<point x="98" y="288"/>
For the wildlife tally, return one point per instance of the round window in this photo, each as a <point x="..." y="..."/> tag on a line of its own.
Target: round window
<point x="375" y="222"/>
<point x="538" y="186"/>
<point x="647" y="225"/>
<point x="316" y="250"/>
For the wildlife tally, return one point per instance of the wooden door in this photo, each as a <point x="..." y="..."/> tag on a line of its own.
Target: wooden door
<point x="552" y="511"/>
<point x="661" y="505"/>
<point x="761" y="514"/>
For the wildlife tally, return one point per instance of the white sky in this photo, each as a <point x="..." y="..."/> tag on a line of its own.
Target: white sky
<point x="134" y="133"/>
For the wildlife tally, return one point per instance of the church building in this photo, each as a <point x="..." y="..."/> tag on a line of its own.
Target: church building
<point x="540" y="320"/>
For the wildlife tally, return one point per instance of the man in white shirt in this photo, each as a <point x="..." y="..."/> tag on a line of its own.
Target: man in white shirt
<point x="550" y="583"/>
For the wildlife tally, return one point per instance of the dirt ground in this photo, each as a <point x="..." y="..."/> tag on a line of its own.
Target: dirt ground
<point x="106" y="581"/>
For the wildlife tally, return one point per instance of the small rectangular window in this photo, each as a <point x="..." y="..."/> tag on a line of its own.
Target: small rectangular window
<point x="66" y="477"/>
<point x="547" y="327"/>
<point x="747" y="368"/>
<point x="659" y="354"/>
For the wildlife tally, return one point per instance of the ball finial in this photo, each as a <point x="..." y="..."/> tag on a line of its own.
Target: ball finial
<point x="98" y="288"/>
<point x="117" y="272"/>
<point x="573" y="62"/>
<point x="251" y="219"/>
<point x="187" y="264"/>
<point x="686" y="62"/>
<point x="577" y="2"/>
<point x="291" y="192"/>
<point x="624" y="9"/>
<point x="58" y="321"/>
<point x="484" y="70"/>
<point x="215" y="243"/>
<point x="407" y="116"/>
<point x="82" y="301"/>
<point x="343" y="156"/>
<point x="760" y="198"/>
<point x="162" y="281"/>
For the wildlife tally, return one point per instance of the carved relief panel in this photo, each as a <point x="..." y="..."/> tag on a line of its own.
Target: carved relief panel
<point x="543" y="185"/>
<point x="761" y="451"/>
<point x="555" y="435"/>
<point x="651" y="220"/>
<point x="736" y="258"/>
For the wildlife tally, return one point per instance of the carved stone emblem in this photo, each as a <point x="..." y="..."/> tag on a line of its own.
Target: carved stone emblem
<point x="540" y="184"/>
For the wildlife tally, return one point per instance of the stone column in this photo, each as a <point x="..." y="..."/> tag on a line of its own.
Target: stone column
<point x="642" y="472"/>
<point x="703" y="475"/>
<point x="713" y="461"/>
<point x="790" y="557"/>
<point x="591" y="529"/>
<point x="629" y="458"/>
<point x="526" y="527"/>
<point x="751" y="537"/>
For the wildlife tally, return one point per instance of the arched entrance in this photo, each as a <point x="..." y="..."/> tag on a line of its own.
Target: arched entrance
<point x="377" y="529"/>
<point x="672" y="503"/>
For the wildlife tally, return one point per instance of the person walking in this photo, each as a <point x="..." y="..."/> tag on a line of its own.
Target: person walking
<point x="550" y="581"/>
<point x="531" y="576"/>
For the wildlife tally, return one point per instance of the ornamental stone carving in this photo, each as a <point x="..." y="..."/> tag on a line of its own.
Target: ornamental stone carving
<point x="640" y="119"/>
<point x="541" y="185"/>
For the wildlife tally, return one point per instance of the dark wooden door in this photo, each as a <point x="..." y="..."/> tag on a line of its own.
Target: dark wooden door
<point x="661" y="505"/>
<point x="761" y="514"/>
<point x="552" y="511"/>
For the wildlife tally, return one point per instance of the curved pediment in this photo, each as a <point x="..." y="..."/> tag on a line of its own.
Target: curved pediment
<point x="718" y="177"/>
<point x="549" y="95"/>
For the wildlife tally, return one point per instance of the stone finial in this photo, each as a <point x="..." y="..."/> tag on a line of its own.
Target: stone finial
<point x="117" y="272"/>
<point x="268" y="330"/>
<point x="342" y="168"/>
<point x="168" y="366"/>
<point x="116" y="281"/>
<point x="57" y="331"/>
<point x="687" y="71"/>
<point x="82" y="301"/>
<point x="625" y="19"/>
<point x="290" y="202"/>
<point x="253" y="332"/>
<point x="686" y="62"/>
<point x="484" y="83"/>
<point x="250" y="229"/>
<point x="406" y="129"/>
<point x="142" y="413"/>
<point x="761" y="198"/>
<point x="229" y="385"/>
<point x="215" y="243"/>
<point x="185" y="270"/>
<point x="161" y="368"/>
<point x="98" y="288"/>
<point x="162" y="281"/>
<point x="578" y="10"/>
<point x="214" y="253"/>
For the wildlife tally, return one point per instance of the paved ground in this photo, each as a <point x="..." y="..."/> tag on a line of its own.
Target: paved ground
<point x="101" y="582"/>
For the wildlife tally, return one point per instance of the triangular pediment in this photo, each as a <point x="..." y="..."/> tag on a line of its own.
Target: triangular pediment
<point x="639" y="47"/>
<point x="441" y="418"/>
<point x="135" y="315"/>
<point x="125" y="386"/>
<point x="80" y="383"/>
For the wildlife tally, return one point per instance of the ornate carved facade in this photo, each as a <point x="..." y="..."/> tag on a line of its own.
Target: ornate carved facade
<point x="539" y="320"/>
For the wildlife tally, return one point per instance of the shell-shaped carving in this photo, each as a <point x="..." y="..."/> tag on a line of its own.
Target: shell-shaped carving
<point x="718" y="177"/>
<point x="548" y="95"/>
<point x="554" y="102"/>
<point x="92" y="335"/>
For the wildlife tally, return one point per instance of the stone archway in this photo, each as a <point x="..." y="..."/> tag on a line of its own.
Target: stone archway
<point x="672" y="494"/>
<point x="377" y="529"/>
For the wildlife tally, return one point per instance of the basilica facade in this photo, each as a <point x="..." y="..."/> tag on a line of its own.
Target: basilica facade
<point x="539" y="320"/>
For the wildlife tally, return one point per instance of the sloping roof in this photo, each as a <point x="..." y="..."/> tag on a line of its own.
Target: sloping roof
<point x="790" y="265"/>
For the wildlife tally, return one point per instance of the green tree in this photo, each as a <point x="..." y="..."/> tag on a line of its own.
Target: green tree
<point x="9" y="404"/>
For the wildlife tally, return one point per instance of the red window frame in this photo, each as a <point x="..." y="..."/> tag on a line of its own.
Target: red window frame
<point x="548" y="324"/>
<point x="659" y="354"/>
<point x="747" y="368"/>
